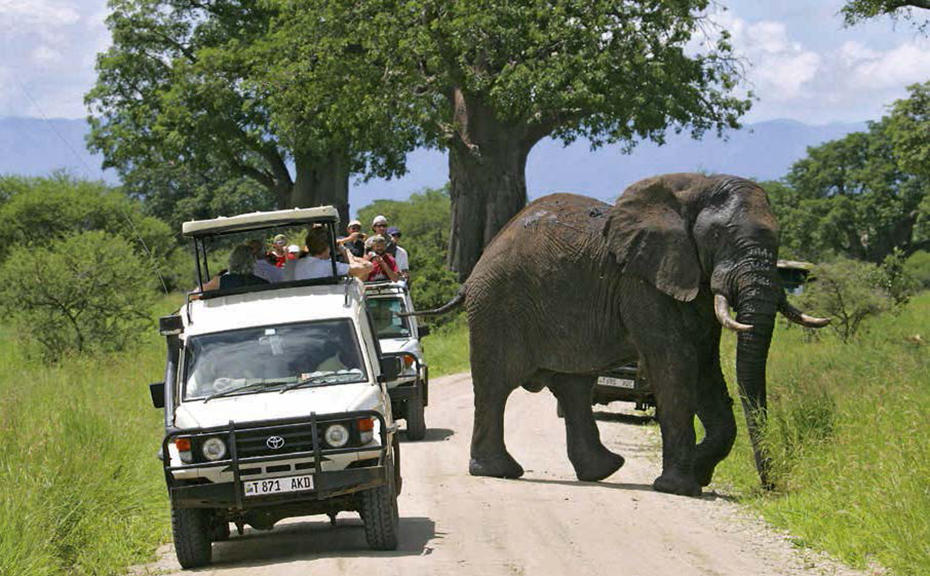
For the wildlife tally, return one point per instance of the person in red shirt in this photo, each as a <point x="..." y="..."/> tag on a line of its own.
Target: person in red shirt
<point x="384" y="266"/>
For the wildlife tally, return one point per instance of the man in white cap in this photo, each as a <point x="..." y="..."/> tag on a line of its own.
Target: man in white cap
<point x="354" y="242"/>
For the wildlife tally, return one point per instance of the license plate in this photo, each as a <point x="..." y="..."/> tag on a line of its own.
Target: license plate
<point x="616" y="382"/>
<point x="278" y="485"/>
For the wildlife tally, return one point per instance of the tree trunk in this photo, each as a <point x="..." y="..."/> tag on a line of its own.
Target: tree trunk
<point x="487" y="173"/>
<point x="321" y="182"/>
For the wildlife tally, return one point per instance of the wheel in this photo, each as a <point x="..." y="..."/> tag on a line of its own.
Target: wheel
<point x="192" y="529"/>
<point x="379" y="513"/>
<point x="398" y="477"/>
<point x="416" y="416"/>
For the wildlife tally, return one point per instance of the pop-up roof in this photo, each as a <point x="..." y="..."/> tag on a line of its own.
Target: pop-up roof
<point x="260" y="220"/>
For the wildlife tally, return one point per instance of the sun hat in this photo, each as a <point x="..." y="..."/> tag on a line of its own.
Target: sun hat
<point x="379" y="219"/>
<point x="354" y="223"/>
<point x="374" y="239"/>
<point x="280" y="239"/>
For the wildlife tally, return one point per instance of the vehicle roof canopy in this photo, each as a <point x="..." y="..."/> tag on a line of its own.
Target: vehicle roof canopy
<point x="260" y="220"/>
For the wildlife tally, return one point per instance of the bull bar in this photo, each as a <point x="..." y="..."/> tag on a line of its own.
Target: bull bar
<point x="326" y="484"/>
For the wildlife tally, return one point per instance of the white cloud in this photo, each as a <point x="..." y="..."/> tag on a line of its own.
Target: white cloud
<point x="47" y="50"/>
<point x="903" y="65"/>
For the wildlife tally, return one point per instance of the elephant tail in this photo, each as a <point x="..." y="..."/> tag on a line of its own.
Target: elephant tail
<point x="450" y="305"/>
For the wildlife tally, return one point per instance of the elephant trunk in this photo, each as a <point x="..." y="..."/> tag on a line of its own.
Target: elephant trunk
<point x="757" y="301"/>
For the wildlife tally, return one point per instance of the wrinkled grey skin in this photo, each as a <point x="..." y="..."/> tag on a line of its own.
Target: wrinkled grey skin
<point x="572" y="287"/>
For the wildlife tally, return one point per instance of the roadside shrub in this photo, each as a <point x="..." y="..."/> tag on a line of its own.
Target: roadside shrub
<point x="40" y="210"/>
<point x="918" y="267"/>
<point x="87" y="292"/>
<point x="849" y="291"/>
<point x="895" y="279"/>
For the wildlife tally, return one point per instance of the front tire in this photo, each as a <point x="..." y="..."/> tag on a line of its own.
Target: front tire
<point x="192" y="529"/>
<point x="416" y="416"/>
<point x="379" y="513"/>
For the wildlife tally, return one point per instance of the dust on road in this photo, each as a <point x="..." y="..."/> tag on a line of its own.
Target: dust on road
<point x="546" y="523"/>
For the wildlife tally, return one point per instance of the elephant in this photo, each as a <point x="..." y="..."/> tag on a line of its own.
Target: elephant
<point x="573" y="286"/>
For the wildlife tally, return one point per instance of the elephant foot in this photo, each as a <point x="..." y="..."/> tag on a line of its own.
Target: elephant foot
<point x="704" y="473"/>
<point x="677" y="483"/>
<point x="598" y="467"/>
<point x="502" y="466"/>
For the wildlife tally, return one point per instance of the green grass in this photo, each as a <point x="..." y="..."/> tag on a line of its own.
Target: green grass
<point x="82" y="490"/>
<point x="446" y="349"/>
<point x="849" y="433"/>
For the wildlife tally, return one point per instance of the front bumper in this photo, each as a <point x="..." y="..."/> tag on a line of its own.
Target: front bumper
<point x="366" y="464"/>
<point x="405" y="387"/>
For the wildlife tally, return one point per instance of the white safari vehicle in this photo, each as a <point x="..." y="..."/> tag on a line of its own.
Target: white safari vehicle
<point x="401" y="335"/>
<point x="275" y="402"/>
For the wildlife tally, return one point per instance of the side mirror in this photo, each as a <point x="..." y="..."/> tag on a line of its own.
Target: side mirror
<point x="423" y="331"/>
<point x="157" y="390"/>
<point x="391" y="367"/>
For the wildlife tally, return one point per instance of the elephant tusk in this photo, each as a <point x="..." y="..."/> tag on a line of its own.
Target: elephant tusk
<point x="798" y="317"/>
<point x="722" y="310"/>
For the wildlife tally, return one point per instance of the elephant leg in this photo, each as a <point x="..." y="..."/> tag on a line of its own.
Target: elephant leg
<point x="489" y="456"/>
<point x="675" y="380"/>
<point x="591" y="460"/>
<point x="715" y="409"/>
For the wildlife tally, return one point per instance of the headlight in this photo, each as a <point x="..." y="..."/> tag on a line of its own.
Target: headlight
<point x="213" y="449"/>
<point x="337" y="435"/>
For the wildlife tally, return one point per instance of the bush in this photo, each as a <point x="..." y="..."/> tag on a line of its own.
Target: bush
<point x="39" y="210"/>
<point x="87" y="292"/>
<point x="918" y="267"/>
<point x="849" y="291"/>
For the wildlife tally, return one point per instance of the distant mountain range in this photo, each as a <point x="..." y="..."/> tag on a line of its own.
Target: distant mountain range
<point x="764" y="150"/>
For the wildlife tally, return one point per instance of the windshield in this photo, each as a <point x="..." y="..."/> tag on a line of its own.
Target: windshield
<point x="384" y="314"/>
<point x="255" y="359"/>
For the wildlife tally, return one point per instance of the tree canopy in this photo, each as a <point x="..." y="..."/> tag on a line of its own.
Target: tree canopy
<point x="854" y="11"/>
<point x="488" y="79"/>
<point x="176" y="91"/>
<point x="864" y="195"/>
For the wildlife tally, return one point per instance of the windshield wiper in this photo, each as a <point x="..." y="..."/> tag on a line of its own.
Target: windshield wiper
<point x="309" y="380"/>
<point x="260" y="383"/>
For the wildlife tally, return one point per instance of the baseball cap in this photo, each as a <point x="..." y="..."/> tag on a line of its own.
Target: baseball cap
<point x="293" y="248"/>
<point x="393" y="231"/>
<point x="379" y="219"/>
<point x="354" y="223"/>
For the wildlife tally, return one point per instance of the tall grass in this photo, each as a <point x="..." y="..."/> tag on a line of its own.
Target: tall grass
<point x="446" y="349"/>
<point x="82" y="490"/>
<point x="849" y="435"/>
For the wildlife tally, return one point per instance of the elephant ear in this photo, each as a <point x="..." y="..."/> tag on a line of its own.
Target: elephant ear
<point x="648" y="235"/>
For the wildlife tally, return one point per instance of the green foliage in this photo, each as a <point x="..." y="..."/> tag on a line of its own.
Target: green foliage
<point x="909" y="126"/>
<point x="83" y="492"/>
<point x="858" y="196"/>
<point x="570" y="69"/>
<point x="850" y="438"/>
<point x="918" y="268"/>
<point x="849" y="292"/>
<point x="423" y="220"/>
<point x="854" y="11"/>
<point x="86" y="292"/>
<point x="40" y="210"/>
<point x="895" y="280"/>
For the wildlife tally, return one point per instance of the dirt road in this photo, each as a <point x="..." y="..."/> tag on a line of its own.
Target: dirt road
<point x="546" y="523"/>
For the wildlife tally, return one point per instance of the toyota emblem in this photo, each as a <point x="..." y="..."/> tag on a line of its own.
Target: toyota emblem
<point x="274" y="442"/>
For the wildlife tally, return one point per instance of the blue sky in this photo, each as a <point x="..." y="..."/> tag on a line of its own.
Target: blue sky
<point x="805" y="65"/>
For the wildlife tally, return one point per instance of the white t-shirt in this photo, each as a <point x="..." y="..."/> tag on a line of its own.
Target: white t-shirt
<point x="267" y="271"/>
<point x="401" y="258"/>
<point x="311" y="267"/>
